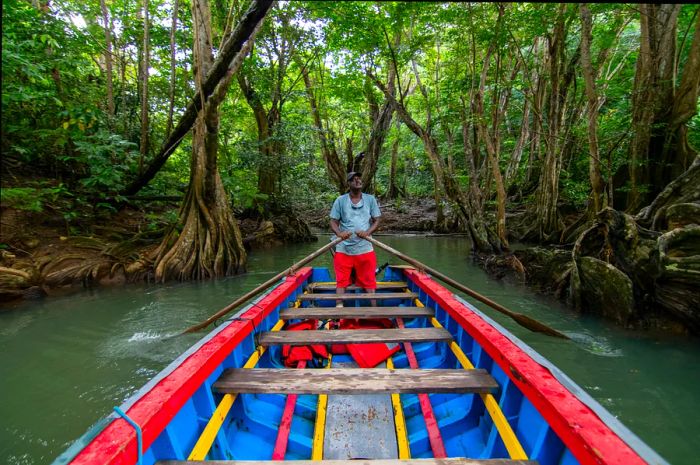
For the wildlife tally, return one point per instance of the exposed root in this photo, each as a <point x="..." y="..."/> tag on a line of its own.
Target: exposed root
<point x="209" y="245"/>
<point x="13" y="271"/>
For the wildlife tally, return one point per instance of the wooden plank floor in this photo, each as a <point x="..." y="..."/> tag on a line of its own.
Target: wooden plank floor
<point x="354" y="381"/>
<point x="354" y="336"/>
<point x="447" y="461"/>
<point x="353" y="296"/>
<point x="324" y="313"/>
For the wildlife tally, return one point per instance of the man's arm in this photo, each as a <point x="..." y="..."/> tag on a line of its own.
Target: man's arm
<point x="335" y="227"/>
<point x="373" y="227"/>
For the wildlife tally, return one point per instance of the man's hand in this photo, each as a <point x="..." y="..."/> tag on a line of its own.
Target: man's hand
<point x="363" y="234"/>
<point x="345" y="234"/>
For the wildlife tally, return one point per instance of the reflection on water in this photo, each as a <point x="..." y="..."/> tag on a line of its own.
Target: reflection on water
<point x="65" y="362"/>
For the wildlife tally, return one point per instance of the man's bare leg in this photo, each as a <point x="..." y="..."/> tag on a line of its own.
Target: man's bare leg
<point x="373" y="302"/>
<point x="339" y="290"/>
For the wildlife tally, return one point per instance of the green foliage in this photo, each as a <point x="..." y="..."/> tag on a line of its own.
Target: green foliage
<point x="108" y="157"/>
<point x="55" y="122"/>
<point x="161" y="221"/>
<point x="49" y="82"/>
<point x="33" y="199"/>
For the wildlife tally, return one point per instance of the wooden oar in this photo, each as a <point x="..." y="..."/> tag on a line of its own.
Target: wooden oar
<point x="261" y="287"/>
<point x="523" y="320"/>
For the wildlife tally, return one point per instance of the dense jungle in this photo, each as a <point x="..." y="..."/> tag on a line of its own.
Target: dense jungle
<point x="160" y="140"/>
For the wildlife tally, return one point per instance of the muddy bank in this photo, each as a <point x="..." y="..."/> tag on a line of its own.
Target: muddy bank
<point x="42" y="255"/>
<point x="405" y="215"/>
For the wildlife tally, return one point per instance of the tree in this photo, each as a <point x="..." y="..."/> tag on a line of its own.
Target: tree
<point x="334" y="166"/>
<point x="264" y="84"/>
<point x="491" y="138"/>
<point x="210" y="242"/>
<point x="659" y="151"/>
<point x="227" y="63"/>
<point x="107" y="24"/>
<point x="144" y="65"/>
<point x="589" y="77"/>
<point x="547" y="217"/>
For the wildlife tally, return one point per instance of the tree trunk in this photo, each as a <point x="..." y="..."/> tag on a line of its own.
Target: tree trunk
<point x="447" y="183"/>
<point x="210" y="243"/>
<point x="380" y="118"/>
<point x="492" y="151"/>
<point x="514" y="163"/>
<point x="594" y="172"/>
<point x="393" y="186"/>
<point x="266" y="121"/>
<point x="227" y="63"/>
<point x="349" y="159"/>
<point x="546" y="215"/>
<point x="678" y="154"/>
<point x="173" y="68"/>
<point x="108" y="57"/>
<point x="267" y="165"/>
<point x="533" y="165"/>
<point x="683" y="189"/>
<point x="652" y="103"/>
<point x="449" y="136"/>
<point x="440" y="219"/>
<point x="334" y="166"/>
<point x="478" y="231"/>
<point x="143" y="81"/>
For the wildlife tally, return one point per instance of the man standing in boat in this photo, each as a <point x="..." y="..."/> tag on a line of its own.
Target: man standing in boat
<point x="354" y="217"/>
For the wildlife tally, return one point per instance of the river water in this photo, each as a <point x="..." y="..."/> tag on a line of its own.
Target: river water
<point x="66" y="361"/>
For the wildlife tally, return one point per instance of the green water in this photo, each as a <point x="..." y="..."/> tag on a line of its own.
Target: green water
<point x="66" y="361"/>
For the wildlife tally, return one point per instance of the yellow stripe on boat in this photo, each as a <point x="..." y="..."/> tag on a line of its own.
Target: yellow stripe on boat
<point x="515" y="449"/>
<point x="399" y="421"/>
<point x="320" y="425"/>
<point x="206" y="439"/>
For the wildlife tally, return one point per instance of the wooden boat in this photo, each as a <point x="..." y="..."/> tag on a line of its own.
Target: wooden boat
<point x="459" y="390"/>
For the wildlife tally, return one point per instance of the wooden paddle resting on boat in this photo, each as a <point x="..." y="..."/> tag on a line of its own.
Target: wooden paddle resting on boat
<point x="523" y="320"/>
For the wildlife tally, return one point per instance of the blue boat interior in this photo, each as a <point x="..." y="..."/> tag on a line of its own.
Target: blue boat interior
<point x="250" y="428"/>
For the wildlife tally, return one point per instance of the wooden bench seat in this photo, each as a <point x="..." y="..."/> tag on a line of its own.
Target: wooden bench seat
<point x="353" y="336"/>
<point x="354" y="296"/>
<point x="354" y="381"/>
<point x="324" y="313"/>
<point x="332" y="286"/>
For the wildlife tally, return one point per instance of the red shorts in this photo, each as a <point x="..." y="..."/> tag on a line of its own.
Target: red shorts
<point x="364" y="264"/>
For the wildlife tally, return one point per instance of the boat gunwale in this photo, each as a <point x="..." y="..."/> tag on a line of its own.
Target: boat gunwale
<point x="178" y="382"/>
<point x="619" y="428"/>
<point x="578" y="420"/>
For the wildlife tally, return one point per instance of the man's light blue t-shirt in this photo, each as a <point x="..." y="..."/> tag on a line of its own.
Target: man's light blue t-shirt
<point x="354" y="217"/>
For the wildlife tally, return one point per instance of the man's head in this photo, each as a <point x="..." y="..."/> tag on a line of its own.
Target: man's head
<point x="354" y="181"/>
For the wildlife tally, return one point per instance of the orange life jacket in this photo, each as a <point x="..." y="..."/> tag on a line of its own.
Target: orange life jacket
<point x="317" y="354"/>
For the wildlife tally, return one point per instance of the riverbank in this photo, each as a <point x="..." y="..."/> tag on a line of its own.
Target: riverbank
<point x="593" y="275"/>
<point x="47" y="255"/>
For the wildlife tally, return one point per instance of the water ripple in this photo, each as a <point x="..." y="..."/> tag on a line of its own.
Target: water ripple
<point x="596" y="345"/>
<point x="145" y="336"/>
